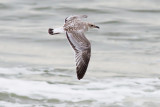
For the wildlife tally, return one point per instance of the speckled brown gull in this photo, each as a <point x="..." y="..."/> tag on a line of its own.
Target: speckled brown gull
<point x="74" y="28"/>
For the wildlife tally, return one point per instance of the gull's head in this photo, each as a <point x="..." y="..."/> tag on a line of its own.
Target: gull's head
<point x="92" y="25"/>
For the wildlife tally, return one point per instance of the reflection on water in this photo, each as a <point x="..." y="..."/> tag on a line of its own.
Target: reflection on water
<point x="124" y="62"/>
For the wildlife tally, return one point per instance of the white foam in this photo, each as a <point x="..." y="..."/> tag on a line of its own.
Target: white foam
<point x="102" y="92"/>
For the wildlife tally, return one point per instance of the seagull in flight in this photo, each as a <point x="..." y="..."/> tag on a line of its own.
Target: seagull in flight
<point x="74" y="28"/>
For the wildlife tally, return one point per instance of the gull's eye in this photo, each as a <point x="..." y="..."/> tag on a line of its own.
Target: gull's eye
<point x="91" y="25"/>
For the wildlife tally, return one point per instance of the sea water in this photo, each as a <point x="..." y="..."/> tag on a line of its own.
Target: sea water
<point x="38" y="70"/>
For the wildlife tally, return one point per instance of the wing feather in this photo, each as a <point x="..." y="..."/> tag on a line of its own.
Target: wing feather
<point x="82" y="49"/>
<point x="73" y="17"/>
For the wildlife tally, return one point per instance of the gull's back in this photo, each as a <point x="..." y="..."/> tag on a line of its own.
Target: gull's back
<point x="74" y="23"/>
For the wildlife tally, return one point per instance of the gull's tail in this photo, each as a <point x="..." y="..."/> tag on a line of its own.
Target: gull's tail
<point x="55" y="31"/>
<point x="50" y="31"/>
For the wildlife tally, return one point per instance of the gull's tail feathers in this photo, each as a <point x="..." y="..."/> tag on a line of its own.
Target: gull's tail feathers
<point x="55" y="31"/>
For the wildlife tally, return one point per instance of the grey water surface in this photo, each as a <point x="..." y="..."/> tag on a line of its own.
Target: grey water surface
<point x="38" y="70"/>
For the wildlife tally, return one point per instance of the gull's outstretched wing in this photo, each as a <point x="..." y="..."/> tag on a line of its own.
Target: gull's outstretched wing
<point x="82" y="49"/>
<point x="75" y="17"/>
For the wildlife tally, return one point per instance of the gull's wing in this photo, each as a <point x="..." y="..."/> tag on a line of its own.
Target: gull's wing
<point x="75" y="17"/>
<point x="82" y="49"/>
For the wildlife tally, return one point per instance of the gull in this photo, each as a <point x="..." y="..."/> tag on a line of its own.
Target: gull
<point x="74" y="28"/>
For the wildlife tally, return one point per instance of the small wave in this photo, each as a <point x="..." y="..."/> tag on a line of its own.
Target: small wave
<point x="4" y="6"/>
<point x="111" y="22"/>
<point x="42" y="8"/>
<point x="15" y="98"/>
<point x="83" y="10"/>
<point x="145" y="11"/>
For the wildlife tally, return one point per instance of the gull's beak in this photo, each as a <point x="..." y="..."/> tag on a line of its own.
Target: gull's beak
<point x="97" y="27"/>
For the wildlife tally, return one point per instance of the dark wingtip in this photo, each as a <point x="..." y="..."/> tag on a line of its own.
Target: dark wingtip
<point x="50" y="31"/>
<point x="81" y="70"/>
<point x="66" y="19"/>
<point x="79" y="78"/>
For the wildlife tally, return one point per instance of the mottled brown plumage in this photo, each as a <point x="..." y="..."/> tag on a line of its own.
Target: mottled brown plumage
<point x="75" y="29"/>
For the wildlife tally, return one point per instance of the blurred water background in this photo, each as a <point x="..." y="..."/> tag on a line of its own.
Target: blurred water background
<point x="38" y="70"/>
